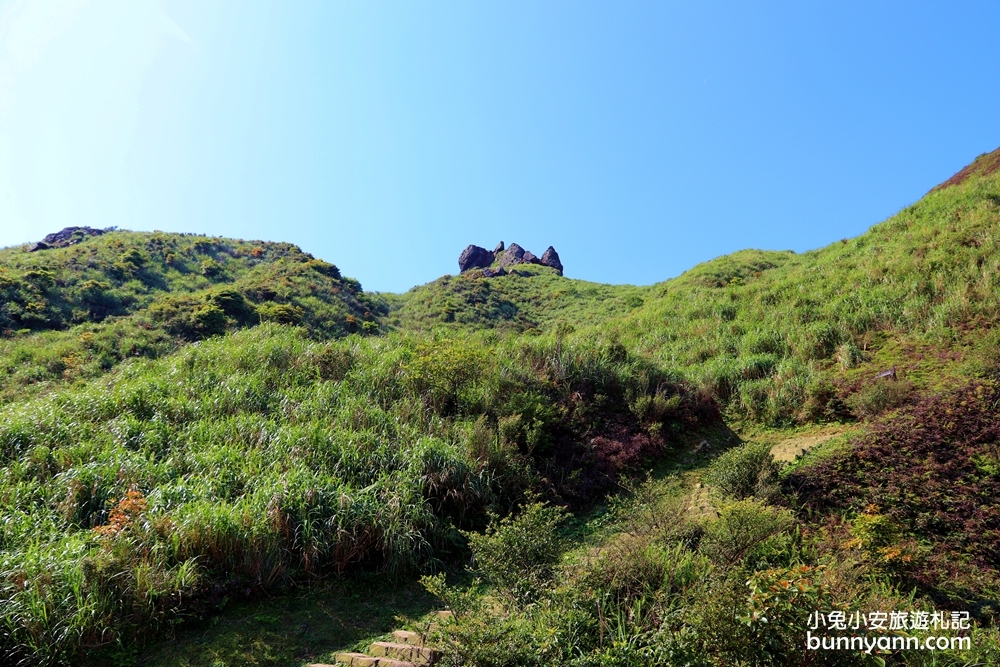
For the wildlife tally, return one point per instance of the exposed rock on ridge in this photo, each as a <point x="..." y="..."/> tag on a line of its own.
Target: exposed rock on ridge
<point x="66" y="237"/>
<point x="476" y="257"/>
<point x="551" y="258"/>
<point x="514" y="255"/>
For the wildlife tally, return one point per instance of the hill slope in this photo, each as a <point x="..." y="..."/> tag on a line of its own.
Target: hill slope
<point x="780" y="337"/>
<point x="258" y="460"/>
<point x="529" y="298"/>
<point x="185" y="419"/>
<point x="74" y="312"/>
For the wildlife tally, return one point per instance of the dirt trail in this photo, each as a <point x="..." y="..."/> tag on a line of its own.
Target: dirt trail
<point x="789" y="448"/>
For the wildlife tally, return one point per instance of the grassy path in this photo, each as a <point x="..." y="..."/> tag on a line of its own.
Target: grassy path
<point x="294" y="629"/>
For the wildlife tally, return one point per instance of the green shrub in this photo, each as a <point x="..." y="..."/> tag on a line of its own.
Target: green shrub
<point x="780" y="602"/>
<point x="636" y="567"/>
<point x="234" y="305"/>
<point x="211" y="268"/>
<point x="208" y="320"/>
<point x="334" y="362"/>
<point x="744" y="471"/>
<point x="879" y="397"/>
<point x="282" y="313"/>
<point x="518" y="554"/>
<point x="742" y="527"/>
<point x="129" y="264"/>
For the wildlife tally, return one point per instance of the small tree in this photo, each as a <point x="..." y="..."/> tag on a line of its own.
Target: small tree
<point x="518" y="555"/>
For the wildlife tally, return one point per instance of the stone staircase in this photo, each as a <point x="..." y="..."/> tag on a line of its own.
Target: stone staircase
<point x="407" y="649"/>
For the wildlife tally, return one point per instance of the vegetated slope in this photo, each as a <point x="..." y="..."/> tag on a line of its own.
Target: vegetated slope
<point x="896" y="327"/>
<point x="251" y="461"/>
<point x="783" y="338"/>
<point x="76" y="311"/>
<point x="528" y="298"/>
<point x="266" y="457"/>
<point x="925" y="481"/>
<point x="779" y="337"/>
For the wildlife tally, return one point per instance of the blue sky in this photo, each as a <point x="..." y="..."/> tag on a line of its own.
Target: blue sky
<point x="637" y="138"/>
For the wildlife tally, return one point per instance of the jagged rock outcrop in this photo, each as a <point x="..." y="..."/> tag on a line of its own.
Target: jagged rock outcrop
<point x="474" y="257"/>
<point x="512" y="255"/>
<point x="550" y="258"/>
<point x="66" y="237"/>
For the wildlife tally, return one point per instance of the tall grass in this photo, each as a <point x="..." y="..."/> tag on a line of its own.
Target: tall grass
<point x="233" y="466"/>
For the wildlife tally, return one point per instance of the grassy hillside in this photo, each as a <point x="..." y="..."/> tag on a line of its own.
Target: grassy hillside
<point x="528" y="299"/>
<point x="254" y="461"/>
<point x="75" y="312"/>
<point x="782" y="338"/>
<point x="186" y="420"/>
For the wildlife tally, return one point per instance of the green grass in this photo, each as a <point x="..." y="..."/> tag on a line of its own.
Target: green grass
<point x="260" y="459"/>
<point x="779" y="338"/>
<point x="70" y="314"/>
<point x="529" y="299"/>
<point x="296" y="628"/>
<point x="186" y="421"/>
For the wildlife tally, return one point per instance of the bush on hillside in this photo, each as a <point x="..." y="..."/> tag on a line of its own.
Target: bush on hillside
<point x="211" y="269"/>
<point x="741" y="528"/>
<point x="879" y="397"/>
<point x="745" y="471"/>
<point x="334" y="362"/>
<point x="188" y="318"/>
<point x="234" y="305"/>
<point x="518" y="554"/>
<point x="282" y="313"/>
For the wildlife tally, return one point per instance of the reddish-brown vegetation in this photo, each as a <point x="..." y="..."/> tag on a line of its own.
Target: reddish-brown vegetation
<point x="985" y="164"/>
<point x="934" y="468"/>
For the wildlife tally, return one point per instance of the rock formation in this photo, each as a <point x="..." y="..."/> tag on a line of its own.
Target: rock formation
<point x="551" y="258"/>
<point x="512" y="256"/>
<point x="474" y="257"/>
<point x="66" y="237"/>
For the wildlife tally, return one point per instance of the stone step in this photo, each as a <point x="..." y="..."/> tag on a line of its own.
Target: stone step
<point x="441" y="618"/>
<point x="407" y="637"/>
<point x="420" y="655"/>
<point x="362" y="660"/>
<point x="355" y="660"/>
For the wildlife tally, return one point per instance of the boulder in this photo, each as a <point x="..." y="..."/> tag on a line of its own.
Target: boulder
<point x="494" y="273"/>
<point x="474" y="257"/>
<point x="551" y="258"/>
<point x="530" y="258"/>
<point x="68" y="236"/>
<point x="498" y="250"/>
<point x="41" y="245"/>
<point x="513" y="255"/>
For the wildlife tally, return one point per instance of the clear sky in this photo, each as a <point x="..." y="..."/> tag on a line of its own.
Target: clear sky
<point x="638" y="138"/>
